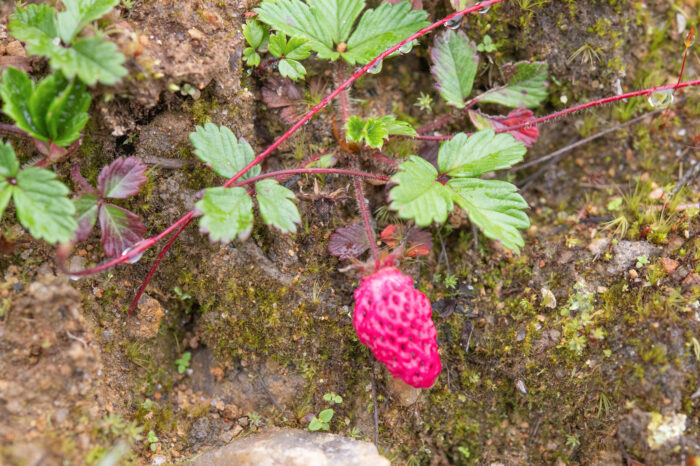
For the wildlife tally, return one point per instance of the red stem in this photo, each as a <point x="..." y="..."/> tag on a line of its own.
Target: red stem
<point x="365" y="220"/>
<point x="14" y="131"/>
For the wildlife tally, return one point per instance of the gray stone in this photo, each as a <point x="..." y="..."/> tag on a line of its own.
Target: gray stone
<point x="626" y="254"/>
<point x="293" y="448"/>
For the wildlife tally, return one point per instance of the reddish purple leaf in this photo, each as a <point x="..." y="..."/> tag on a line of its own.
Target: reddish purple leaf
<point x="348" y="241"/>
<point x="527" y="136"/>
<point x="280" y="92"/>
<point x="82" y="185"/>
<point x="86" y="215"/>
<point x="122" y="178"/>
<point x="121" y="229"/>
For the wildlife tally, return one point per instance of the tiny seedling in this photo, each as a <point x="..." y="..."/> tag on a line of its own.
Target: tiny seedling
<point x="152" y="440"/>
<point x="333" y="398"/>
<point x="642" y="261"/>
<point x="183" y="362"/>
<point x="58" y="37"/>
<point x="322" y="422"/>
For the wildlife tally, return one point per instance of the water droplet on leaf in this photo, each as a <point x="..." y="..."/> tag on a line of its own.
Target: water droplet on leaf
<point x="454" y="22"/>
<point x="136" y="258"/>
<point x="75" y="277"/>
<point x="376" y="68"/>
<point x="405" y="48"/>
<point x="661" y="99"/>
<point x="484" y="10"/>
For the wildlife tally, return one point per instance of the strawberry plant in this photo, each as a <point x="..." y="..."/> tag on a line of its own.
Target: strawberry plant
<point x="57" y="36"/>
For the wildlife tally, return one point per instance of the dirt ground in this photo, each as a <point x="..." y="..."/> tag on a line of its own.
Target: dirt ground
<point x="583" y="349"/>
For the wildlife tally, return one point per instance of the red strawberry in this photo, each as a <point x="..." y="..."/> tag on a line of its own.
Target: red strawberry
<point x="393" y="319"/>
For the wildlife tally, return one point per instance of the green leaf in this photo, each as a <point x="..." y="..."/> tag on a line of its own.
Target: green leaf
<point x="373" y="131"/>
<point x="418" y="195"/>
<point x="326" y="415"/>
<point x="291" y="69"/>
<point x="92" y="59"/>
<point x="9" y="165"/>
<point x="55" y="110"/>
<point x="495" y="207"/>
<point x="277" y="45"/>
<point x="296" y="18"/>
<point x="16" y="92"/>
<point x="67" y="115"/>
<point x="338" y="16"/>
<point x="526" y="88"/>
<point x="121" y="229"/>
<point x="276" y="206"/>
<point x="35" y="25"/>
<point x="479" y="153"/>
<point x="86" y="215"/>
<point x="218" y="147"/>
<point x="298" y="48"/>
<point x="254" y="33"/>
<point x="315" y="425"/>
<point x="454" y="66"/>
<point x="43" y="206"/>
<point x="226" y="213"/>
<point x="78" y="14"/>
<point x="381" y="28"/>
<point x="251" y="57"/>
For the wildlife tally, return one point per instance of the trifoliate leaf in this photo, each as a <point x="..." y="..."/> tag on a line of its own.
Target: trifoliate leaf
<point x="373" y="131"/>
<point x="122" y="178"/>
<point x="254" y="33"/>
<point x="86" y="215"/>
<point x="291" y="69"/>
<point x="527" y="136"/>
<point x="381" y="28"/>
<point x="55" y="110"/>
<point x="92" y="59"/>
<point x="277" y="45"/>
<point x="418" y="195"/>
<point x="454" y="66"/>
<point x="121" y="229"/>
<point x="251" y="57"/>
<point x="494" y="206"/>
<point x="526" y="88"/>
<point x="276" y="206"/>
<point x="43" y="206"/>
<point x="479" y="153"/>
<point x="227" y="213"/>
<point x="35" y="25"/>
<point x="79" y="13"/>
<point x="218" y="147"/>
<point x="296" y="18"/>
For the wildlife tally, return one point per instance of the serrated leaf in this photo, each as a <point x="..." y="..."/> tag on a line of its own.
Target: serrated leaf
<point x="276" y="206"/>
<point x="479" y="153"/>
<point x="9" y="165"/>
<point x="326" y="415"/>
<point x="227" y="213"/>
<point x="16" y="92"/>
<point x="277" y="45"/>
<point x="251" y="57"/>
<point x="86" y="215"/>
<point x="35" y="25"/>
<point x="298" y="48"/>
<point x="381" y="28"/>
<point x="218" y="147"/>
<point x="78" y="14"/>
<point x="43" y="206"/>
<point x="418" y="195"/>
<point x="291" y="69"/>
<point x="296" y="18"/>
<point x="122" y="178"/>
<point x="455" y="62"/>
<point x="527" y="136"/>
<point x="67" y="113"/>
<point x="92" y="59"/>
<point x="348" y="241"/>
<point x="495" y="207"/>
<point x="121" y="229"/>
<point x="254" y="33"/>
<point x="338" y="16"/>
<point x="526" y="88"/>
<point x="55" y="110"/>
<point x="373" y="131"/>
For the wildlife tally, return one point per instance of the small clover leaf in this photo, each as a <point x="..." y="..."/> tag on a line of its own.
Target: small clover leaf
<point x="373" y="131"/>
<point x="41" y="201"/>
<point x="454" y="66"/>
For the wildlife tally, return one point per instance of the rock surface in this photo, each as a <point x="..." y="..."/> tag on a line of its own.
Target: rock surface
<point x="293" y="447"/>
